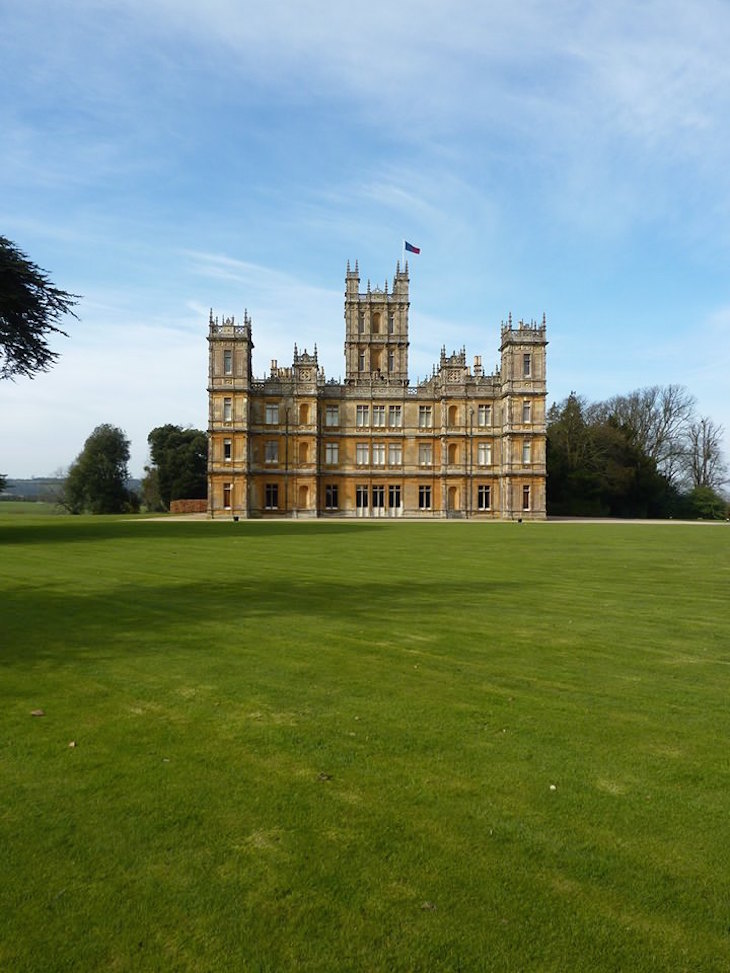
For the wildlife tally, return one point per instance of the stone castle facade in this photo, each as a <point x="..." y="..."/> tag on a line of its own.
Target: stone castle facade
<point x="459" y="444"/>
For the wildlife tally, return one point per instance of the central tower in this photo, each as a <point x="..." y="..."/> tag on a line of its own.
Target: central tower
<point x="376" y="330"/>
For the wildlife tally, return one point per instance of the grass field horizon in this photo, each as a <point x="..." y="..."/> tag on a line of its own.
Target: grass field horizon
<point x="337" y="746"/>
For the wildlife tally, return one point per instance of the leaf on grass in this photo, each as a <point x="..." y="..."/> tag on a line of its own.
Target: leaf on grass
<point x="323" y="776"/>
<point x="37" y="712"/>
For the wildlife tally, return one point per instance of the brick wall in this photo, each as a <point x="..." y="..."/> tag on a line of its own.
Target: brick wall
<point x="188" y="506"/>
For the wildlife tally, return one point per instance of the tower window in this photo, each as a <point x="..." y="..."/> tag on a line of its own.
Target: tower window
<point x="527" y="366"/>
<point x="227" y="409"/>
<point x="391" y="323"/>
<point x="228" y="362"/>
<point x="484" y="454"/>
<point x="525" y="498"/>
<point x="227" y="491"/>
<point x="227" y="450"/>
<point x="484" y="415"/>
<point x="527" y="411"/>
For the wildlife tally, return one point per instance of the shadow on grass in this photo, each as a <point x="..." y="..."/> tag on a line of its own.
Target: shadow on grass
<point x="135" y="620"/>
<point x="71" y="530"/>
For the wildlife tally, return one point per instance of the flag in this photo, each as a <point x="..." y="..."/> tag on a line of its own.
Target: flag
<point x="410" y="248"/>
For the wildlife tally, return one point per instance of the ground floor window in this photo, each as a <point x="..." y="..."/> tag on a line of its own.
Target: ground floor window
<point x="394" y="495"/>
<point x="424" y="498"/>
<point x="484" y="498"/>
<point x="227" y="491"/>
<point x="525" y="498"/>
<point x="361" y="497"/>
<point x="330" y="496"/>
<point x="378" y="496"/>
<point x="272" y="496"/>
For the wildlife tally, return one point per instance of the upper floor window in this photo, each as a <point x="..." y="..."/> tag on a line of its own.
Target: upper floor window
<point x="484" y="454"/>
<point x="527" y="411"/>
<point x="378" y="415"/>
<point x="395" y="454"/>
<point x="363" y="415"/>
<point x="526" y="453"/>
<point x="378" y="454"/>
<point x="391" y="323"/>
<point x="227" y="450"/>
<point x="527" y="366"/>
<point x="228" y="362"/>
<point x="227" y="409"/>
<point x="332" y="415"/>
<point x="484" y="415"/>
<point x="272" y="414"/>
<point x="361" y="454"/>
<point x="331" y="453"/>
<point x="395" y="416"/>
<point x="271" y="451"/>
<point x="391" y="361"/>
<point x="361" y="361"/>
<point x="425" y="454"/>
<point x="425" y="416"/>
<point x="361" y="323"/>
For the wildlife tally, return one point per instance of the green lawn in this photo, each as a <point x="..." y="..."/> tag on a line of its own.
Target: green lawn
<point x="372" y="747"/>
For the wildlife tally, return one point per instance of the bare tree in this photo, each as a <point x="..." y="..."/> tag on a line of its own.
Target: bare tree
<point x="704" y="465"/>
<point x="657" y="419"/>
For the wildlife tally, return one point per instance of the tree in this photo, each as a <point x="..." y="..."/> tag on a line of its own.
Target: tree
<point x="655" y="420"/>
<point x="30" y="309"/>
<point x="179" y="463"/>
<point x="704" y="465"/>
<point x="97" y="479"/>
<point x="596" y="468"/>
<point x="3" y="482"/>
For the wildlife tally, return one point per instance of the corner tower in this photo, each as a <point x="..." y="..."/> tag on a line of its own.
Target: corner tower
<point x="229" y="392"/>
<point x="376" y="330"/>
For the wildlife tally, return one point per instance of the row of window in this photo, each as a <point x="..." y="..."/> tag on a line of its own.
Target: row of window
<point x="363" y="451"/>
<point x="374" y="496"/>
<point x="375" y="415"/>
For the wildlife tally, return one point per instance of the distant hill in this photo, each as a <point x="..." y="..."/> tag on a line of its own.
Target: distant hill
<point x="45" y="488"/>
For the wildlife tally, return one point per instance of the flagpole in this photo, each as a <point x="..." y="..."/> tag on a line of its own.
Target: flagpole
<point x="403" y="255"/>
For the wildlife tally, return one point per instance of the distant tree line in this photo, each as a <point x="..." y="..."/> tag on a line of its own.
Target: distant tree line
<point x="645" y="454"/>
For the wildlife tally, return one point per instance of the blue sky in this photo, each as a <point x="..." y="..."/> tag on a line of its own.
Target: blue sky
<point x="161" y="157"/>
